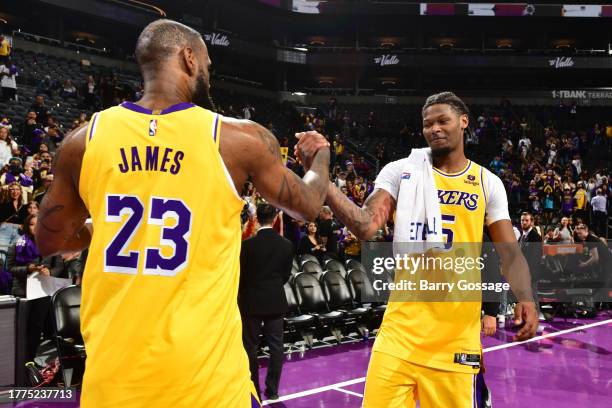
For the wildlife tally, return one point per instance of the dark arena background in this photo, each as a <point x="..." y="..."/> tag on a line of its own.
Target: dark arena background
<point x="537" y="79"/>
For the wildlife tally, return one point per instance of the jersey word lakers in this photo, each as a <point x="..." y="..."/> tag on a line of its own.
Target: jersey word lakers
<point x="159" y="313"/>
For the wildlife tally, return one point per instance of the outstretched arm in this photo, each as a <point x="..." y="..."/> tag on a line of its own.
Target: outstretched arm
<point x="61" y="218"/>
<point x="250" y="150"/>
<point x="516" y="272"/>
<point x="364" y="221"/>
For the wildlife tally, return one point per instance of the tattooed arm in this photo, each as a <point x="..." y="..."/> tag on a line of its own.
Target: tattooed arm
<point x="250" y="150"/>
<point x="365" y="221"/>
<point x="61" y="218"/>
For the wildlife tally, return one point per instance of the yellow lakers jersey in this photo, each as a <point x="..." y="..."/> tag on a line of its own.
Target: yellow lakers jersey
<point x="159" y="312"/>
<point x="432" y="333"/>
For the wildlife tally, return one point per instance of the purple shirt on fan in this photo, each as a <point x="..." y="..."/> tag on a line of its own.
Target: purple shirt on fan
<point x="22" y="179"/>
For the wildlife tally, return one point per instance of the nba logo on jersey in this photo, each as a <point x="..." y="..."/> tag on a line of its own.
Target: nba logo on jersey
<point x="153" y="127"/>
<point x="405" y="176"/>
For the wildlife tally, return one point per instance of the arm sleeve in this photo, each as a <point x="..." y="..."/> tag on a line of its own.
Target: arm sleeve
<point x="390" y="177"/>
<point x="18" y="271"/>
<point x="497" y="200"/>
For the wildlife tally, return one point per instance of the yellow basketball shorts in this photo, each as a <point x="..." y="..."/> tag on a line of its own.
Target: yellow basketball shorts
<point x="395" y="383"/>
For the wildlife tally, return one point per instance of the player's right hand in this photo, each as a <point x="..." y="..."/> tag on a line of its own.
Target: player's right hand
<point x="307" y="147"/>
<point x="525" y="313"/>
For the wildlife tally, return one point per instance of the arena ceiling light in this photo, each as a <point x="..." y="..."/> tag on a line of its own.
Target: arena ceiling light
<point x="303" y="49"/>
<point x="298" y="93"/>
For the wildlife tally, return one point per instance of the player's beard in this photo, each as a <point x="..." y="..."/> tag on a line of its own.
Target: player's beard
<point x="201" y="94"/>
<point x="441" y="151"/>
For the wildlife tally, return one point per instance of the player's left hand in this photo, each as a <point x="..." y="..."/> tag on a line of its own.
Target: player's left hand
<point x="489" y="325"/>
<point x="525" y="313"/>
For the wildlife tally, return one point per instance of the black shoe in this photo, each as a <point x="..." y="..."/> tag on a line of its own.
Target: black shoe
<point x="271" y="396"/>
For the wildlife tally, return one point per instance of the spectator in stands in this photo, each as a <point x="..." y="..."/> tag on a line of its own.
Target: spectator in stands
<point x="265" y="266"/>
<point x="590" y="262"/>
<point x="310" y="243"/>
<point x="40" y="193"/>
<point x="524" y="146"/>
<point x="600" y="213"/>
<point x="89" y="93"/>
<point x="40" y="108"/>
<point x="82" y="118"/>
<point x="24" y="260"/>
<point x="496" y="164"/>
<point x="8" y="80"/>
<point x="7" y="147"/>
<point x="352" y="245"/>
<point x="73" y="266"/>
<point x="548" y="204"/>
<point x="563" y="234"/>
<point x="5" y="122"/>
<point x="53" y="138"/>
<point x="11" y="205"/>
<point x="16" y="174"/>
<point x="567" y="203"/>
<point x="30" y="209"/>
<point x="580" y="201"/>
<point x="29" y="126"/>
<point x="328" y="230"/>
<point x="549" y="235"/>
<point x="68" y="90"/>
<point x="5" y="48"/>
<point x="531" y="246"/>
<point x="41" y="154"/>
<point x="341" y="180"/>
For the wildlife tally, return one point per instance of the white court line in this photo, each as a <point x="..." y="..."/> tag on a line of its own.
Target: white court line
<point x="316" y="390"/>
<point x="348" y="392"/>
<point x="545" y="336"/>
<point x="494" y="348"/>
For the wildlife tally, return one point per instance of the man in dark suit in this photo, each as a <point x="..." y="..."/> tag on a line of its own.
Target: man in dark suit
<point x="265" y="266"/>
<point x="531" y="245"/>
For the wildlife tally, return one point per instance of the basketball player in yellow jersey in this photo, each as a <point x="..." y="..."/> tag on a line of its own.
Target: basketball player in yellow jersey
<point x="159" y="311"/>
<point x="414" y="357"/>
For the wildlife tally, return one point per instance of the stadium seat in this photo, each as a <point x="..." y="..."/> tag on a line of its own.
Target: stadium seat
<point x="363" y="292"/>
<point x="361" y="287"/>
<point x="70" y="348"/>
<point x="313" y="268"/>
<point x="335" y="265"/>
<point x="294" y="268"/>
<point x="296" y="322"/>
<point x="311" y="300"/>
<point x="308" y="257"/>
<point x="295" y="264"/>
<point x="339" y="298"/>
<point x="354" y="264"/>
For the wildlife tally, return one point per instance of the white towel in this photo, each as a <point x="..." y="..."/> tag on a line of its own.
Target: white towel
<point x="418" y="221"/>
